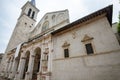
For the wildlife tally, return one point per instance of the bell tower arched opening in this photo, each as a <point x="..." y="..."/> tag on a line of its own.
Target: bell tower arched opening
<point x="29" y="12"/>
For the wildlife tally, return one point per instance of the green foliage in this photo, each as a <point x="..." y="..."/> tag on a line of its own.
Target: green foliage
<point x="118" y="28"/>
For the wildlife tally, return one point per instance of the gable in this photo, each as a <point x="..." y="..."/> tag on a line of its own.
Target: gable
<point x="50" y="20"/>
<point x="107" y="11"/>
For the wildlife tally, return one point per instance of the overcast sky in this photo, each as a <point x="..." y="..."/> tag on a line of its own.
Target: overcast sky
<point x="10" y="11"/>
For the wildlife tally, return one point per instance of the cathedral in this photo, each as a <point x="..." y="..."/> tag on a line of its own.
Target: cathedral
<point x="55" y="49"/>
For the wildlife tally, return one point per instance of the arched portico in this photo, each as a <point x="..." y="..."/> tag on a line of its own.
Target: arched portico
<point x="15" y="66"/>
<point x="10" y="66"/>
<point x="27" y="56"/>
<point x="7" y="66"/>
<point x="36" y="66"/>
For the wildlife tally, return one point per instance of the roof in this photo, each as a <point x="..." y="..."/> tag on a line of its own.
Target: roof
<point x="30" y="4"/>
<point x="33" y="2"/>
<point x="108" y="10"/>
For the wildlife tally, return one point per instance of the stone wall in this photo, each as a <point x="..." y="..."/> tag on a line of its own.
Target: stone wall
<point x="95" y="67"/>
<point x="102" y="65"/>
<point x="1" y="56"/>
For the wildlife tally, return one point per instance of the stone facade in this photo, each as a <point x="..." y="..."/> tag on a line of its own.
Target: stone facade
<point x="1" y="55"/>
<point x="55" y="49"/>
<point x="79" y="65"/>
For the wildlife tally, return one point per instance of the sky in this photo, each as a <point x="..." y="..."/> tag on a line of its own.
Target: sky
<point x="11" y="9"/>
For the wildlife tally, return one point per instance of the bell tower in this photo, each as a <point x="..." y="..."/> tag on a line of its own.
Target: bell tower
<point x="24" y="25"/>
<point x="30" y="10"/>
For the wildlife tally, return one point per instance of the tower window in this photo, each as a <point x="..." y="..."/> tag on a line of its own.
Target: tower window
<point x="89" y="48"/>
<point x="33" y="14"/>
<point x="66" y="53"/>
<point x="29" y="12"/>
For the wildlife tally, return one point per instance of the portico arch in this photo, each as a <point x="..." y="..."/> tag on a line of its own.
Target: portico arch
<point x="10" y="65"/>
<point x="36" y="63"/>
<point x="27" y="56"/>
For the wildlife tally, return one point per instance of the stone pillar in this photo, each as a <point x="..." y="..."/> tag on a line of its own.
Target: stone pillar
<point x="10" y="66"/>
<point x="50" y="57"/>
<point x="14" y="69"/>
<point x="6" y="69"/>
<point x="21" y="68"/>
<point x="30" y="67"/>
<point x="48" y="74"/>
<point x="40" y="67"/>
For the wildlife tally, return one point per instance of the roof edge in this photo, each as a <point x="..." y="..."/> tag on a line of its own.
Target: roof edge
<point x="108" y="10"/>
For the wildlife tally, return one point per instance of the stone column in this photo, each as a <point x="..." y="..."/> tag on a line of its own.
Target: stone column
<point x="21" y="68"/>
<point x="40" y="67"/>
<point x="6" y="68"/>
<point x="50" y="57"/>
<point x="48" y="75"/>
<point x="14" y="69"/>
<point x="10" y="66"/>
<point x="30" y="67"/>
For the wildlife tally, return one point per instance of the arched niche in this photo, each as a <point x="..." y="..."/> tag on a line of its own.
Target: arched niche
<point x="45" y="26"/>
<point x="60" y="17"/>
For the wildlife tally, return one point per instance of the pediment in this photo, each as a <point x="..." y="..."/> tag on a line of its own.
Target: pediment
<point x="86" y="38"/>
<point x="66" y="44"/>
